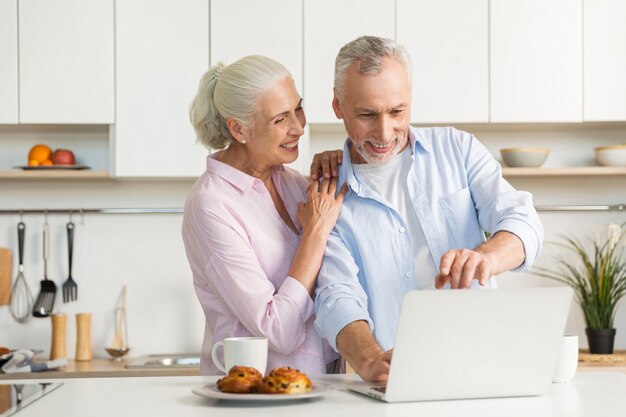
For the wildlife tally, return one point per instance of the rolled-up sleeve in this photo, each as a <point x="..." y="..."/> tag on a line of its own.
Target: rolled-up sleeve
<point x="340" y="298"/>
<point x="500" y="206"/>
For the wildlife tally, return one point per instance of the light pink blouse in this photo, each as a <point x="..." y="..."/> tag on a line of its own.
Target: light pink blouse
<point x="240" y="252"/>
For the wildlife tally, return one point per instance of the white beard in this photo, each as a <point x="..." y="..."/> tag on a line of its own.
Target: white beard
<point x="374" y="159"/>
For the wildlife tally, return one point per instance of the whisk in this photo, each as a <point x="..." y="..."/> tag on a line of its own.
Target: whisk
<point x="21" y="297"/>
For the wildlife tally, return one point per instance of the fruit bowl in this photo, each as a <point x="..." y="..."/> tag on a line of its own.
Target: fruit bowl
<point x="611" y="156"/>
<point x="524" y="157"/>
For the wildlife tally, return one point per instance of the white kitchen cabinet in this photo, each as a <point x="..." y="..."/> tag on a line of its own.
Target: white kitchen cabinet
<point x="8" y="63"/>
<point x="328" y="25"/>
<point x="448" y="41"/>
<point x="66" y="61"/>
<point x="536" y="55"/>
<point x="162" y="50"/>
<point x="604" y="60"/>
<point x="263" y="27"/>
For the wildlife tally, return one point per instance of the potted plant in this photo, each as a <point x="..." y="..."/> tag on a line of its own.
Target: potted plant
<point x="598" y="278"/>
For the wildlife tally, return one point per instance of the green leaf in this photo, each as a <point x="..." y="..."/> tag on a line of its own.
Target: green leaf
<point x="598" y="278"/>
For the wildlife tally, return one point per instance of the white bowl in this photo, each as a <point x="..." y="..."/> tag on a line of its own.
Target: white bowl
<point x="611" y="156"/>
<point x="524" y="157"/>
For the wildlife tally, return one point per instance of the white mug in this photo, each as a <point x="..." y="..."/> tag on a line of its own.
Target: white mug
<point x="241" y="351"/>
<point x="568" y="359"/>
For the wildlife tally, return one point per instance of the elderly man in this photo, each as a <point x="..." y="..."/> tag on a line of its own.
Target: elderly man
<point x="415" y="216"/>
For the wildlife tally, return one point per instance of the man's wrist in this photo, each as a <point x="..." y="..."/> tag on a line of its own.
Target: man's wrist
<point x="357" y="345"/>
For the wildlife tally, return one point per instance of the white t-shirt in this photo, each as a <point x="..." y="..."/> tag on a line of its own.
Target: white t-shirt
<point x="390" y="182"/>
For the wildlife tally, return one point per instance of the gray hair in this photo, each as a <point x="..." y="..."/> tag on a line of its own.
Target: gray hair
<point x="231" y="91"/>
<point x="369" y="52"/>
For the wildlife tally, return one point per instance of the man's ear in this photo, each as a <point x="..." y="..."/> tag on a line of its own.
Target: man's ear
<point x="236" y="129"/>
<point x="336" y="106"/>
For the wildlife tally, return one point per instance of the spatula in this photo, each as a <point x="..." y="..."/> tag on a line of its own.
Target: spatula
<point x="45" y="300"/>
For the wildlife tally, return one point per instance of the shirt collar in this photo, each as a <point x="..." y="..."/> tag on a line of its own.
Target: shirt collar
<point x="235" y="177"/>
<point x="417" y="138"/>
<point x="346" y="173"/>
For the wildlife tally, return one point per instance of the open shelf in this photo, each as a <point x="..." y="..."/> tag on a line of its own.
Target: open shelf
<point x="85" y="174"/>
<point x="569" y="171"/>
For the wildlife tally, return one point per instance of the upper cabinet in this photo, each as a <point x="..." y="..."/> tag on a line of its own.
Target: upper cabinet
<point x="328" y="25"/>
<point x="268" y="27"/>
<point x="162" y="50"/>
<point x="66" y="61"/>
<point x="8" y="63"/>
<point x="264" y="27"/>
<point x="536" y="55"/>
<point x="605" y="60"/>
<point x="448" y="42"/>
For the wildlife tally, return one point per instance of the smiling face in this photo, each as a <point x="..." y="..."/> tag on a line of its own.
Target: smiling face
<point x="272" y="139"/>
<point x="376" y="110"/>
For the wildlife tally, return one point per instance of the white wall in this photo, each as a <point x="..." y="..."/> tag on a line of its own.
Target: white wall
<point x="146" y="252"/>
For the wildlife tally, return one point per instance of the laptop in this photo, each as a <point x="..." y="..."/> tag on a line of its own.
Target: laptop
<point x="461" y="344"/>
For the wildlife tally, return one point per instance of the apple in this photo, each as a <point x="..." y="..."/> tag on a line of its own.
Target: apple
<point x="63" y="157"/>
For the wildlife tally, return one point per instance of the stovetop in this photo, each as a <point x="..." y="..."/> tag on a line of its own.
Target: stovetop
<point x="14" y="397"/>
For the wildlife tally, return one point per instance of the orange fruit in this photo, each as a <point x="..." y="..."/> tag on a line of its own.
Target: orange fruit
<point x="33" y="163"/>
<point x="46" y="162"/>
<point x="39" y="153"/>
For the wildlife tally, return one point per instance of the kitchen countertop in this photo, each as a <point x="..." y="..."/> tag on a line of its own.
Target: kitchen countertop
<point x="107" y="368"/>
<point x="589" y="393"/>
<point x="102" y="368"/>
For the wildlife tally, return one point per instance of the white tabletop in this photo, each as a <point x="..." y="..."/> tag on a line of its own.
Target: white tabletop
<point x="588" y="394"/>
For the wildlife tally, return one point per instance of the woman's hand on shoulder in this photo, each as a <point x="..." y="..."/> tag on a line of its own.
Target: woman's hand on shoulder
<point x="323" y="203"/>
<point x="325" y="164"/>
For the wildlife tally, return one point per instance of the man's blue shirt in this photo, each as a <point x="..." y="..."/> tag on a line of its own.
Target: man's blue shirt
<point x="458" y="192"/>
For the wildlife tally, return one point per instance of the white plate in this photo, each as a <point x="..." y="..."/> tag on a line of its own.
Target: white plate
<point x="211" y="391"/>
<point x="50" y="167"/>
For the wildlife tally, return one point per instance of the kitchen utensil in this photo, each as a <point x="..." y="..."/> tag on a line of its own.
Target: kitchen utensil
<point x="45" y="300"/>
<point x="118" y="347"/>
<point x="6" y="265"/>
<point x="21" y="297"/>
<point x="70" y="289"/>
<point x="118" y="339"/>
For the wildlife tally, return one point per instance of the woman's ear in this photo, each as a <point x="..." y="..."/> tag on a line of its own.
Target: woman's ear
<point x="236" y="130"/>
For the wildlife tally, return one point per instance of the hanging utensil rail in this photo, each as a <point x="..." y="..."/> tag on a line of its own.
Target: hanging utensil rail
<point x="174" y="210"/>
<point x="81" y="211"/>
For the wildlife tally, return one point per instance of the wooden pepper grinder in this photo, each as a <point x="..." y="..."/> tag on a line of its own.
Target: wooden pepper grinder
<point x="59" y="326"/>
<point x="83" y="337"/>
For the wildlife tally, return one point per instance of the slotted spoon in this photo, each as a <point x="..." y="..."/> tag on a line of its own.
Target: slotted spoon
<point x="47" y="293"/>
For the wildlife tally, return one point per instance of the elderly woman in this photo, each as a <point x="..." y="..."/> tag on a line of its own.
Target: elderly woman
<point x="254" y="230"/>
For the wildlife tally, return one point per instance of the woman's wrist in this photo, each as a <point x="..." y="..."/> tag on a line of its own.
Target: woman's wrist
<point x="315" y="235"/>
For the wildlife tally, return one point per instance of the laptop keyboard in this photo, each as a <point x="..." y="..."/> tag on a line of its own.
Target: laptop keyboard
<point x="381" y="389"/>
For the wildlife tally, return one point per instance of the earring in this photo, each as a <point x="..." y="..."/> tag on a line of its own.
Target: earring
<point x="244" y="141"/>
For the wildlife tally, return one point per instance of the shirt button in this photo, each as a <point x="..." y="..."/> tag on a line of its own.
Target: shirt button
<point x="408" y="274"/>
<point x="402" y="230"/>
